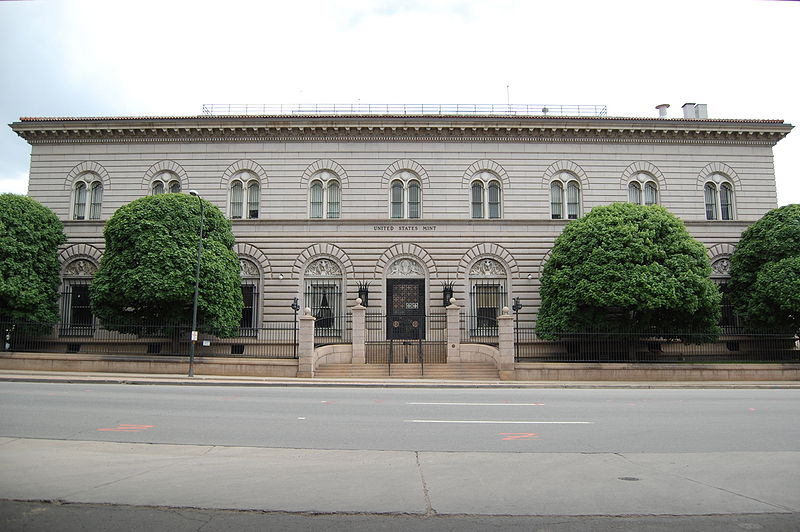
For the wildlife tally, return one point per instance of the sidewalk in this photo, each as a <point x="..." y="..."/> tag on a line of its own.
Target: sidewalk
<point x="219" y="380"/>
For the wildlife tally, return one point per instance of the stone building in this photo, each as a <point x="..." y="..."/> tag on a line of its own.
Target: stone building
<point x="405" y="204"/>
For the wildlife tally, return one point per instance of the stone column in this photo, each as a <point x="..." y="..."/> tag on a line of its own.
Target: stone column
<point x="305" y="345"/>
<point x="359" y="333"/>
<point x="505" y="326"/>
<point x="453" y="331"/>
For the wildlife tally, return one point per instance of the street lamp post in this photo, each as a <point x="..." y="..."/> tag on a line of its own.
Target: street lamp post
<point x="295" y="308"/>
<point x="196" y="286"/>
<point x="516" y="307"/>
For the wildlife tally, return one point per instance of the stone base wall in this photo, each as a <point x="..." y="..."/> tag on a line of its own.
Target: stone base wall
<point x="148" y="364"/>
<point x="656" y="372"/>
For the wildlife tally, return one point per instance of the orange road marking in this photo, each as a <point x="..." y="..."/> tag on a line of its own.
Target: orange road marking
<point x="125" y="427"/>
<point x="518" y="435"/>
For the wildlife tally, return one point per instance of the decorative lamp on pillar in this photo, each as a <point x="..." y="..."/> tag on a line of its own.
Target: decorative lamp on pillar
<point x="363" y="292"/>
<point x="447" y="292"/>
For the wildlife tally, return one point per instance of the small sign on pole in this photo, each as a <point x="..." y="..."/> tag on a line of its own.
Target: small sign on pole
<point x="194" y="336"/>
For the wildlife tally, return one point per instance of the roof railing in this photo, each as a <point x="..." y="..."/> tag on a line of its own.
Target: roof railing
<point x="237" y="109"/>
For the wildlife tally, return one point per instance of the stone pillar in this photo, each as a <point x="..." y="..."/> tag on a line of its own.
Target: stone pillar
<point x="505" y="325"/>
<point x="359" y="333"/>
<point x="453" y="331"/>
<point x="305" y="345"/>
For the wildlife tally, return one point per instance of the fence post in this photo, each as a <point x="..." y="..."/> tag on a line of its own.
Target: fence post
<point x="505" y="325"/>
<point x="358" y="334"/>
<point x="453" y="331"/>
<point x="305" y="345"/>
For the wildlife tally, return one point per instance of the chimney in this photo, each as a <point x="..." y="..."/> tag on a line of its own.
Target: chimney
<point x="701" y="110"/>
<point x="689" y="110"/>
<point x="662" y="110"/>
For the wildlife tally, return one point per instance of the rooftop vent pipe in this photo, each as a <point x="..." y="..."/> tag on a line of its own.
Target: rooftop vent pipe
<point x="689" y="110"/>
<point x="662" y="110"/>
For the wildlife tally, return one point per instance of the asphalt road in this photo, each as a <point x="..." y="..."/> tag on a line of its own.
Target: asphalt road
<point x="411" y="459"/>
<point x="507" y="420"/>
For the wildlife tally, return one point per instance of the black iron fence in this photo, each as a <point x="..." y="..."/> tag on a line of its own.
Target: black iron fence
<point x="341" y="334"/>
<point x="406" y="339"/>
<point x="653" y="347"/>
<point x="274" y="339"/>
<point x="480" y="329"/>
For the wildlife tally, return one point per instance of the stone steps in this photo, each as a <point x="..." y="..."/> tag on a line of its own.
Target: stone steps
<point x="452" y="371"/>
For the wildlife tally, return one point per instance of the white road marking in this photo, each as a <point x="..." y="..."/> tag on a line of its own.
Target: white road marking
<point x="495" y="422"/>
<point x="480" y="404"/>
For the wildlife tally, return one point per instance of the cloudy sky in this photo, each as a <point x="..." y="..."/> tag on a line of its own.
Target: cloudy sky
<point x="141" y="57"/>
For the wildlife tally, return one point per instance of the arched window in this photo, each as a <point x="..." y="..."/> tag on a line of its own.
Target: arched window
<point x="486" y="196"/>
<point x="79" y="208"/>
<point x="561" y="202"/>
<point x="638" y="182"/>
<point x="251" y="278"/>
<point x="324" y="196"/>
<point x="405" y="197"/>
<point x="158" y="187"/>
<point x="165" y="182"/>
<point x="88" y="189"/>
<point x="253" y="198"/>
<point x="323" y="295"/>
<point x="719" y="201"/>
<point x="477" y="199"/>
<point x="487" y="294"/>
<point x="174" y="186"/>
<point x="245" y="196"/>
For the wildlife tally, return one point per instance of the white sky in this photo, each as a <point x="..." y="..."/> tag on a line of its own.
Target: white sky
<point x="140" y="57"/>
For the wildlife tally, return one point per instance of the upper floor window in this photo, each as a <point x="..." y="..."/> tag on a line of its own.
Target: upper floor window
<point x="565" y="197"/>
<point x="486" y="197"/>
<point x="405" y="197"/>
<point x="165" y="182"/>
<point x="245" y="196"/>
<point x="650" y="196"/>
<point x="89" y="190"/>
<point x="325" y="198"/>
<point x="719" y="200"/>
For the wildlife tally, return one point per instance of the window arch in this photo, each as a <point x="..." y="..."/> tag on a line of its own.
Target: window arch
<point x="324" y="196"/>
<point x="87" y="192"/>
<point x="486" y="196"/>
<point x="405" y="196"/>
<point x="245" y="196"/>
<point x="565" y="197"/>
<point x="165" y="182"/>
<point x="719" y="198"/>
<point x="643" y="189"/>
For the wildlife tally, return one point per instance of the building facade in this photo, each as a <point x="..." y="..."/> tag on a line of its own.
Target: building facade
<point x="405" y="210"/>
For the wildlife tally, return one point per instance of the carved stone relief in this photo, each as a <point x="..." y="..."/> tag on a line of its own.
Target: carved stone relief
<point x="721" y="267"/>
<point x="405" y="268"/>
<point x="488" y="268"/>
<point x="323" y="268"/>
<point x="247" y="268"/>
<point x="80" y="268"/>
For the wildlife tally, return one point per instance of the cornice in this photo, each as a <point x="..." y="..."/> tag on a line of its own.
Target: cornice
<point x="405" y="128"/>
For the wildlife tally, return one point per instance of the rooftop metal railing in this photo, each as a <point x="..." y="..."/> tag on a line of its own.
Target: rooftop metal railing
<point x="221" y="109"/>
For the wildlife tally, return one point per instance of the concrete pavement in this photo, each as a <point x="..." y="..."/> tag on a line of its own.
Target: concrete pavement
<point x="400" y="482"/>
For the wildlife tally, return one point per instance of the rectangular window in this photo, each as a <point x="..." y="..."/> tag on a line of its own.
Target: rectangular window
<point x="77" y="317"/>
<point x="80" y="202"/>
<point x="324" y="300"/>
<point x="397" y="200"/>
<point x="488" y="298"/>
<point x="97" y="201"/>
<point x="249" y="312"/>
<point x="413" y="201"/>
<point x="725" y="202"/>
<point x="556" y="201"/>
<point x="573" y="200"/>
<point x="711" y="202"/>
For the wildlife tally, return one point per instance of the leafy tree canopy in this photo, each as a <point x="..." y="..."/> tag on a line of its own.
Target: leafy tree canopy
<point x="29" y="271"/>
<point x="147" y="273"/>
<point x="626" y="267"/>
<point x="765" y="272"/>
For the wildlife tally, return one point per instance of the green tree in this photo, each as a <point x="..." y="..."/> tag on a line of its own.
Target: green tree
<point x="765" y="272"/>
<point x="147" y="274"/>
<point x="628" y="268"/>
<point x="30" y="234"/>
